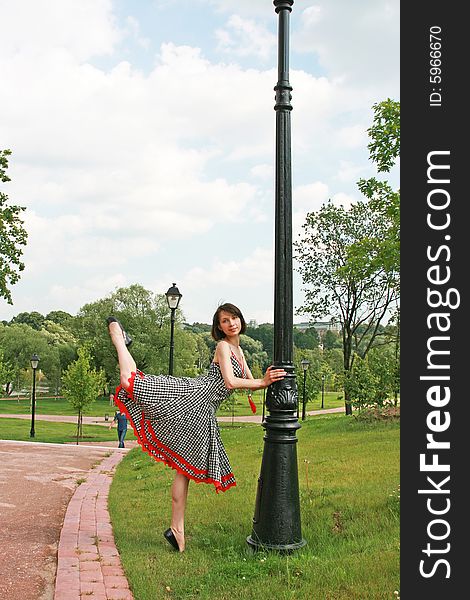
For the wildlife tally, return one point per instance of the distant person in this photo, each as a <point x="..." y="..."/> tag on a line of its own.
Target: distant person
<point x="174" y="417"/>
<point x="121" y="420"/>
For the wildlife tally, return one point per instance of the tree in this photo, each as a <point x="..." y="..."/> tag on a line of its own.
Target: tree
<point x="307" y="339"/>
<point x="264" y="333"/>
<point x="331" y="340"/>
<point x="361" y="384"/>
<point x="60" y="317"/>
<point x="33" y="319"/>
<point x="146" y="317"/>
<point x="356" y="295"/>
<point x="12" y="236"/>
<point x="384" y="149"/>
<point x="5" y="373"/>
<point x="82" y="385"/>
<point x="19" y="342"/>
<point x="350" y="258"/>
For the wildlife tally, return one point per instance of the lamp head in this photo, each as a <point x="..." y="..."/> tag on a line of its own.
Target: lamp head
<point x="34" y="361"/>
<point x="173" y="297"/>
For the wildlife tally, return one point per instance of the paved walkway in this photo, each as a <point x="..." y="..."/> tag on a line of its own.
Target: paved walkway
<point x="256" y="418"/>
<point x="88" y="563"/>
<point x="57" y="540"/>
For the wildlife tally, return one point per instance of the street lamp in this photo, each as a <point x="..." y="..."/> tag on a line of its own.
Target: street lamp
<point x="305" y="363"/>
<point x="173" y="297"/>
<point x="276" y="522"/>
<point x="34" y="365"/>
<point x="322" y="388"/>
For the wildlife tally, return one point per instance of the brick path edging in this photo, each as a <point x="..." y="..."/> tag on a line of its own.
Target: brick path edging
<point x="88" y="562"/>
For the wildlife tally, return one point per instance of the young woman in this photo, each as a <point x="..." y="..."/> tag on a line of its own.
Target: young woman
<point x="174" y="417"/>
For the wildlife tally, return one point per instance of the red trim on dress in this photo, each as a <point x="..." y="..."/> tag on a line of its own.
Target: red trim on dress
<point x="158" y="446"/>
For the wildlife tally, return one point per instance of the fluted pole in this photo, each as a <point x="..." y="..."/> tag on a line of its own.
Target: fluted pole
<point x="276" y="522"/>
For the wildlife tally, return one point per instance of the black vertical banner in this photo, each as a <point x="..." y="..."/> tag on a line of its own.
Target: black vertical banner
<point x="435" y="406"/>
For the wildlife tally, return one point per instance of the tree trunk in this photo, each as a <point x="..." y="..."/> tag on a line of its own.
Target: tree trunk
<point x="78" y="425"/>
<point x="347" y="367"/>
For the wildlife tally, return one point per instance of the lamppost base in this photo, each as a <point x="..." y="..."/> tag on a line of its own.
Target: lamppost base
<point x="256" y="546"/>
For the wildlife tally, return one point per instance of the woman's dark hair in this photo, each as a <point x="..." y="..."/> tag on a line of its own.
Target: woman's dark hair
<point x="216" y="333"/>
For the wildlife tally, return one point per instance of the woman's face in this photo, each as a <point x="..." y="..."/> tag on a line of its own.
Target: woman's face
<point x="229" y="324"/>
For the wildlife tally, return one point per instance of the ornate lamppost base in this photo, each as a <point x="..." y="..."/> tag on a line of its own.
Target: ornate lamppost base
<point x="256" y="546"/>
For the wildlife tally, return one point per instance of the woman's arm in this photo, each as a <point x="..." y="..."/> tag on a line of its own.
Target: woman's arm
<point x="223" y="353"/>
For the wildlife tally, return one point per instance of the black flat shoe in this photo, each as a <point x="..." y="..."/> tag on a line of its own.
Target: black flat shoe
<point x="170" y="538"/>
<point x="127" y="338"/>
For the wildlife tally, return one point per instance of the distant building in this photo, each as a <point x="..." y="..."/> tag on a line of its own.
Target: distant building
<point x="321" y="326"/>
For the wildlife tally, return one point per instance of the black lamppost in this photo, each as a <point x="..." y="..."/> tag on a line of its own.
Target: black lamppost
<point x="276" y="522"/>
<point x="322" y="388"/>
<point x="173" y="298"/>
<point x="305" y="363"/>
<point x="34" y="365"/>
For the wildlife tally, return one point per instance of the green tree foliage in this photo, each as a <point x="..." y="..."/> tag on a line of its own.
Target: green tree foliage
<point x="331" y="340"/>
<point x="312" y="374"/>
<point x="6" y="373"/>
<point x="255" y="356"/>
<point x="12" y="236"/>
<point x="361" y="384"/>
<point x="60" y="317"/>
<point x="384" y="149"/>
<point x="355" y="295"/>
<point x="18" y="343"/>
<point x="264" y="333"/>
<point x="349" y="258"/>
<point x="146" y="317"/>
<point x="82" y="384"/>
<point x="33" y="319"/>
<point x="63" y="345"/>
<point x="307" y="339"/>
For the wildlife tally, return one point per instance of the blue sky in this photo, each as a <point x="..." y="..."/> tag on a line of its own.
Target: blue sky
<point x="143" y="140"/>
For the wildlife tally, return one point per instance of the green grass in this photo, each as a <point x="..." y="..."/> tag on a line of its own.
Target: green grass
<point x="60" y="406"/>
<point x="54" y="406"/>
<point x="57" y="433"/>
<point x="241" y="406"/>
<point x="349" y="494"/>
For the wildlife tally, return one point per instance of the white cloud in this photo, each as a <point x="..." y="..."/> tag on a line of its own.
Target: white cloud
<point x="366" y="40"/>
<point x="350" y="172"/>
<point x="244" y="38"/>
<point x="114" y="163"/>
<point x="65" y="28"/>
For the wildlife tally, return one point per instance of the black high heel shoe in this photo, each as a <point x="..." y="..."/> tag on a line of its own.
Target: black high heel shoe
<point x="127" y="338"/>
<point x="170" y="538"/>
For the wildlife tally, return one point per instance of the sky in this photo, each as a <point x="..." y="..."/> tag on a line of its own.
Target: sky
<point x="143" y="140"/>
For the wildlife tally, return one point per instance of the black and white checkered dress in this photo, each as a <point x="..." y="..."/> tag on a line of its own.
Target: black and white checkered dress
<point x="174" y="421"/>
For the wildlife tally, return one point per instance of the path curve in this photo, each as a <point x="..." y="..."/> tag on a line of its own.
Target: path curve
<point x="39" y="482"/>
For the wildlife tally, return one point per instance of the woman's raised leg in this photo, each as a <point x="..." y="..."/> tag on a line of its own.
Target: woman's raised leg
<point x="179" y="494"/>
<point x="127" y="364"/>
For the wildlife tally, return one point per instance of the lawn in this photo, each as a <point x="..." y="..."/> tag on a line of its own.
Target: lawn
<point x="349" y="495"/>
<point x="57" y="433"/>
<point x="60" y="406"/>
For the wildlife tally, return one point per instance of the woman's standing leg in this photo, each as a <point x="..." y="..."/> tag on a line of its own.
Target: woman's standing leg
<point x="127" y="364"/>
<point x="179" y="494"/>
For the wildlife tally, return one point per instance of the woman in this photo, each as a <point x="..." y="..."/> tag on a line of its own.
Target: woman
<point x="174" y="417"/>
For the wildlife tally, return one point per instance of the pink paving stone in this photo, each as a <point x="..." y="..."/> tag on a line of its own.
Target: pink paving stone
<point x="90" y="565"/>
<point x="114" y="581"/>
<point x="105" y="551"/>
<point x="112" y="571"/>
<point x="110" y="561"/>
<point x="94" y="576"/>
<point x="87" y="515"/>
<point x="89" y="588"/>
<point x="119" y="595"/>
<point x="83" y="556"/>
